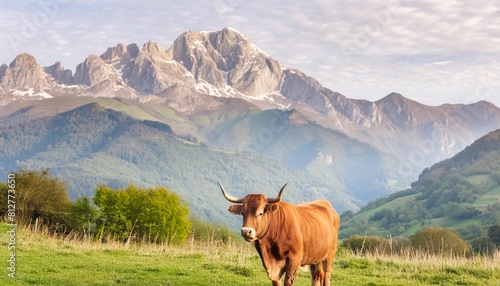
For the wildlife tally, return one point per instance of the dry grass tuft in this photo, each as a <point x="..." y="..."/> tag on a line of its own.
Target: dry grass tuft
<point x="237" y="252"/>
<point x="420" y="258"/>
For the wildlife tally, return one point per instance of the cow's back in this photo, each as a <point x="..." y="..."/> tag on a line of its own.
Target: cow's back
<point x="319" y="224"/>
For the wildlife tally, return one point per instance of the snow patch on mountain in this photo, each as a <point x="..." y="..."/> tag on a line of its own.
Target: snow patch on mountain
<point x="30" y="93"/>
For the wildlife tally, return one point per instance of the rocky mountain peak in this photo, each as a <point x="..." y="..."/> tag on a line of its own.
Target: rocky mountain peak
<point x="300" y="88"/>
<point x="24" y="73"/>
<point x="153" y="71"/>
<point x="93" y="71"/>
<point x="228" y="43"/>
<point x="227" y="58"/>
<point x="198" y="56"/>
<point x="483" y="109"/>
<point x="120" y="55"/>
<point x="394" y="98"/>
<point x="153" y="51"/>
<point x="59" y="74"/>
<point x="400" y="109"/>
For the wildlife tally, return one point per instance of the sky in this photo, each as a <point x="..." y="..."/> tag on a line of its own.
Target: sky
<point x="434" y="52"/>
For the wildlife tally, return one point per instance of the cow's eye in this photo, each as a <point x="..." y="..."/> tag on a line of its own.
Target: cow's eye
<point x="261" y="213"/>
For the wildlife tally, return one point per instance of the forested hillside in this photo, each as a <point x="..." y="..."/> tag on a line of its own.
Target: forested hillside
<point x="462" y="193"/>
<point x="92" y="145"/>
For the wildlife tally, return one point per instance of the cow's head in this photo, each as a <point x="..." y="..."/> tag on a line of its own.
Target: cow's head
<point x="255" y="210"/>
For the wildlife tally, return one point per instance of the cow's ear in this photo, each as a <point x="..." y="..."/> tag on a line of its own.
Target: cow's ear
<point x="271" y="208"/>
<point x="235" y="209"/>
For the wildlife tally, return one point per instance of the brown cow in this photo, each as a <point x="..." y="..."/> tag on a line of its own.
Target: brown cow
<point x="287" y="236"/>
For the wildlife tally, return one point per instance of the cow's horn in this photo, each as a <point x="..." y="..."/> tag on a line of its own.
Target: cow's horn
<point x="229" y="197"/>
<point x="278" y="198"/>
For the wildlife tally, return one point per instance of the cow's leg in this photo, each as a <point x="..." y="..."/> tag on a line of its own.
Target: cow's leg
<point x="317" y="274"/>
<point x="277" y="281"/>
<point x="291" y="272"/>
<point x="327" y="266"/>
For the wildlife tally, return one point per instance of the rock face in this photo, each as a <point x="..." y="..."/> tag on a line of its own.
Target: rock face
<point x="300" y="88"/>
<point x="120" y="55"/>
<point x="59" y="74"/>
<point x="24" y="73"/>
<point x="152" y="72"/>
<point x="94" y="71"/>
<point x="227" y="58"/>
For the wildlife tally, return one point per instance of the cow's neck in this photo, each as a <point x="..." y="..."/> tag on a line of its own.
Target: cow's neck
<point x="263" y="235"/>
<point x="275" y="225"/>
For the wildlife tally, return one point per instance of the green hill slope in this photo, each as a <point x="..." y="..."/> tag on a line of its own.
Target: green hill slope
<point x="462" y="193"/>
<point x="91" y="145"/>
<point x="348" y="165"/>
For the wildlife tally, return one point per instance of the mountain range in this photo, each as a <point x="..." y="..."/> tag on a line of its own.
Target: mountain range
<point x="219" y="91"/>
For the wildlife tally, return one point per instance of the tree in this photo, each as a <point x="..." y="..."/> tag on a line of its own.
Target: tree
<point x="38" y="195"/>
<point x="83" y="215"/>
<point x="439" y="240"/>
<point x="495" y="176"/>
<point x="492" y="215"/>
<point x="471" y="231"/>
<point x="494" y="234"/>
<point x="152" y="214"/>
<point x="483" y="245"/>
<point x="380" y="214"/>
<point x="205" y="231"/>
<point x="112" y="212"/>
<point x="347" y="215"/>
<point x="463" y="211"/>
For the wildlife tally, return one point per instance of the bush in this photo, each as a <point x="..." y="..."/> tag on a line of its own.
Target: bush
<point x="470" y="231"/>
<point x="38" y="195"/>
<point x="83" y="215"/>
<point x="483" y="246"/>
<point x="381" y="214"/>
<point x="463" y="211"/>
<point x="439" y="240"/>
<point x="495" y="177"/>
<point x="368" y="244"/>
<point x="494" y="234"/>
<point x="205" y="231"/>
<point x="155" y="215"/>
<point x="346" y="215"/>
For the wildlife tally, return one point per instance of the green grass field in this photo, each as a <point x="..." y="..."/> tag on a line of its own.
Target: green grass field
<point x="42" y="259"/>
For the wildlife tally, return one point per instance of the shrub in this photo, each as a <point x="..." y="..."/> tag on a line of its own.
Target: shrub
<point x="153" y="214"/>
<point x="368" y="244"/>
<point x="83" y="215"/>
<point x="483" y="246"/>
<point x="38" y="195"/>
<point x="494" y="234"/>
<point x="495" y="177"/>
<point x="439" y="240"/>
<point x="205" y="231"/>
<point x="464" y="212"/>
<point x="346" y="215"/>
<point x="470" y="231"/>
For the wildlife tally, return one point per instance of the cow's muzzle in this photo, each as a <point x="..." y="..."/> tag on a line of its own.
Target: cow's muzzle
<point x="248" y="233"/>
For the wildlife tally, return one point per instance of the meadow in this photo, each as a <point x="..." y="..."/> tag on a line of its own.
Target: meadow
<point x="45" y="259"/>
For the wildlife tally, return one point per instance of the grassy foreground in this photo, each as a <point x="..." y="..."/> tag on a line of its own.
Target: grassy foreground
<point x="42" y="259"/>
